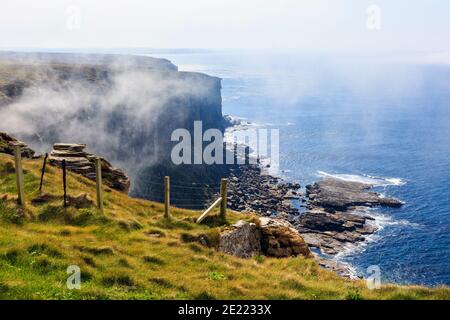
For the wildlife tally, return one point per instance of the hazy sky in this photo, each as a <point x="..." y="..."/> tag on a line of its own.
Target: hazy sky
<point x="307" y="25"/>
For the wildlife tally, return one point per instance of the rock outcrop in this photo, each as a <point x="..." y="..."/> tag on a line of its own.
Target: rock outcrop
<point x="242" y="239"/>
<point x="7" y="144"/>
<point x="337" y="215"/>
<point x="273" y="238"/>
<point x="335" y="194"/>
<point x="280" y="239"/>
<point x="81" y="162"/>
<point x="332" y="232"/>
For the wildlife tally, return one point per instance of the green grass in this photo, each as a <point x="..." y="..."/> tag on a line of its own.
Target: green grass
<point x="130" y="252"/>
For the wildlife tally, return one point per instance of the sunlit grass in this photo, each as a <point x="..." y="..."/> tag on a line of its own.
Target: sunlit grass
<point x="130" y="252"/>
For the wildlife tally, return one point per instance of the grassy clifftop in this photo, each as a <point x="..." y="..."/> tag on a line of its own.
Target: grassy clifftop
<point x="130" y="252"/>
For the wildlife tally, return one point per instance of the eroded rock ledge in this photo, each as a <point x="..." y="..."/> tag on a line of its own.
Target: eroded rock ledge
<point x="81" y="162"/>
<point x="337" y="214"/>
<point x="8" y="142"/>
<point x="335" y="194"/>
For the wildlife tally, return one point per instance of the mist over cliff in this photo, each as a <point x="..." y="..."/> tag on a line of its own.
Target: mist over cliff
<point x="123" y="107"/>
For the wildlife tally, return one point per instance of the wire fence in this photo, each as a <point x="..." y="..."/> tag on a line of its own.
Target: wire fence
<point x="195" y="196"/>
<point x="192" y="196"/>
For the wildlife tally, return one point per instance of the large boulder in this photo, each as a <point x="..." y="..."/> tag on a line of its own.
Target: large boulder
<point x="242" y="239"/>
<point x="8" y="142"/>
<point x="273" y="237"/>
<point x="280" y="239"/>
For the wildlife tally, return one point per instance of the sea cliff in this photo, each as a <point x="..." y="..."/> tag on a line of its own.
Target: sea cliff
<point x="122" y="107"/>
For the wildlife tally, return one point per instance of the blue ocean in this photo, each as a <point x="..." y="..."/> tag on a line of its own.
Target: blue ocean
<point x="380" y="119"/>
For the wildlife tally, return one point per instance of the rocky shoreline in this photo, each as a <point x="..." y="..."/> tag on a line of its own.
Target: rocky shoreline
<point x="335" y="214"/>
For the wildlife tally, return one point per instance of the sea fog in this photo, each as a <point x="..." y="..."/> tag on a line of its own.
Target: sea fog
<point x="383" y="119"/>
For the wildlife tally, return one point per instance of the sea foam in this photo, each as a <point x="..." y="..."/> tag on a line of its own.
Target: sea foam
<point x="367" y="179"/>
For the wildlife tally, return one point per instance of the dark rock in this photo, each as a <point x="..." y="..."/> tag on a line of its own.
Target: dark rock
<point x="242" y="240"/>
<point x="8" y="142"/>
<point x="339" y="195"/>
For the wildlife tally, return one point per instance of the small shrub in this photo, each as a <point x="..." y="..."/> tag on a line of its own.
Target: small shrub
<point x="204" y="296"/>
<point x="96" y="250"/>
<point x="189" y="238"/>
<point x="7" y="168"/>
<point x="162" y="282"/>
<point x="293" y="284"/>
<point x="39" y="249"/>
<point x="11" y="256"/>
<point x="212" y="238"/>
<point x="70" y="215"/>
<point x="118" y="280"/>
<point x="65" y="232"/>
<point x="124" y="263"/>
<point x="43" y="265"/>
<point x="260" y="258"/>
<point x="209" y="239"/>
<point x="12" y="213"/>
<point x="153" y="260"/>
<point x="217" y="276"/>
<point x="3" y="287"/>
<point x="215" y="221"/>
<point x="353" y="294"/>
<point x="195" y="247"/>
<point x="50" y="212"/>
<point x="129" y="225"/>
<point x="89" y="261"/>
<point x="80" y="217"/>
<point x="43" y="198"/>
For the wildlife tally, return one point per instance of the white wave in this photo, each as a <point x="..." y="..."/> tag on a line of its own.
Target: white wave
<point x="380" y="222"/>
<point x="374" y="181"/>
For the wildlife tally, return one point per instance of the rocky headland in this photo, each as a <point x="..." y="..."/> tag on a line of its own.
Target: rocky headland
<point x="131" y="125"/>
<point x="334" y="214"/>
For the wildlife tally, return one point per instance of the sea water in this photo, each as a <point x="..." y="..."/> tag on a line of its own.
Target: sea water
<point x="379" y="120"/>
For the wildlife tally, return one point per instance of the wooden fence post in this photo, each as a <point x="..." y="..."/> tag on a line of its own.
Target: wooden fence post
<point x="166" y="197"/>
<point x="223" y="195"/>
<point x="43" y="172"/>
<point x="19" y="175"/>
<point x="64" y="182"/>
<point x="98" y="178"/>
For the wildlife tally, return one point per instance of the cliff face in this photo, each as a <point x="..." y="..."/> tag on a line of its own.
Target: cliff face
<point x="124" y="108"/>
